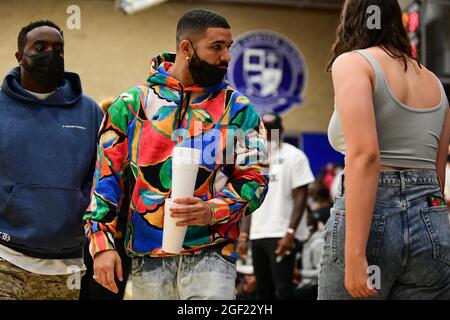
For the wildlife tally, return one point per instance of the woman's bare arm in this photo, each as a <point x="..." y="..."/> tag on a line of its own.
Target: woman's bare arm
<point x="353" y="94"/>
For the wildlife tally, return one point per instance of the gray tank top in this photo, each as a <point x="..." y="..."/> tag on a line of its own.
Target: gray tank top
<point x="407" y="137"/>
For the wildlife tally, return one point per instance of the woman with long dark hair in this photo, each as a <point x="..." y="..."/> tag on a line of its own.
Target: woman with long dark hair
<point x="388" y="236"/>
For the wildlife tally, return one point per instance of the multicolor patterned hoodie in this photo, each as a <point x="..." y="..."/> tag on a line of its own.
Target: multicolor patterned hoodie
<point x="136" y="141"/>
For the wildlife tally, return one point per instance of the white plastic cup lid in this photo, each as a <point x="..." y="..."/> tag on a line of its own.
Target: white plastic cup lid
<point x="186" y="155"/>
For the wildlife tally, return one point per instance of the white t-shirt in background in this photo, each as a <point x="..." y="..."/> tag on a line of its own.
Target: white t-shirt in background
<point x="289" y="169"/>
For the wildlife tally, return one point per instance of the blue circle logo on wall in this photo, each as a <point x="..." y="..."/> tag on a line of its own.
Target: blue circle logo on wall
<point x="268" y="69"/>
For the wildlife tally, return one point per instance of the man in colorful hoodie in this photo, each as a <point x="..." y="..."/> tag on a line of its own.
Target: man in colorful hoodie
<point x="48" y="140"/>
<point x="185" y="102"/>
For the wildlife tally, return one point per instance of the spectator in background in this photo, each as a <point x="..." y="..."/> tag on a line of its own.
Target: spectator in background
<point x="272" y="229"/>
<point x="329" y="175"/>
<point x="319" y="197"/>
<point x="245" y="285"/>
<point x="312" y="254"/>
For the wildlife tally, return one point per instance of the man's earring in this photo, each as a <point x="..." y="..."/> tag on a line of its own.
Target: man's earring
<point x="187" y="58"/>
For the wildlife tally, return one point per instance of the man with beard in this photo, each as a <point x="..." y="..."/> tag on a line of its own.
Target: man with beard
<point x="185" y="102"/>
<point x="48" y="135"/>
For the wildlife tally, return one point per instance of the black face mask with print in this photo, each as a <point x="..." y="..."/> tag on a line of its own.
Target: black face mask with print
<point x="205" y="74"/>
<point x="46" y="68"/>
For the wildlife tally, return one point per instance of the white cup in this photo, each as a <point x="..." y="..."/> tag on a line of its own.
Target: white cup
<point x="173" y="236"/>
<point x="185" y="163"/>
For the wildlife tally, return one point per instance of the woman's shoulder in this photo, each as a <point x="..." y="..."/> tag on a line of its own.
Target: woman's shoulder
<point x="345" y="58"/>
<point x="351" y="64"/>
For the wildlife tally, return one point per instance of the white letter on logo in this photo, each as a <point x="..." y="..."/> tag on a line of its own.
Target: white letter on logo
<point x="374" y="20"/>
<point x="74" y="20"/>
<point x="254" y="60"/>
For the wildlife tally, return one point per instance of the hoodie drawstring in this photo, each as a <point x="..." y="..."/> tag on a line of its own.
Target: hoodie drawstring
<point x="184" y="108"/>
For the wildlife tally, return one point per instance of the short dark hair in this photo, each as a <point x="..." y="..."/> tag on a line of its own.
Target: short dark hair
<point x="196" y="22"/>
<point x="353" y="32"/>
<point x="272" y="120"/>
<point x="21" y="39"/>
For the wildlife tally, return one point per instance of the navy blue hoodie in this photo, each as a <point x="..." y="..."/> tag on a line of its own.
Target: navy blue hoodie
<point x="47" y="159"/>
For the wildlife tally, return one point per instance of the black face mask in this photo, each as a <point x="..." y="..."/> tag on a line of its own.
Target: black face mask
<point x="46" y="68"/>
<point x="205" y="74"/>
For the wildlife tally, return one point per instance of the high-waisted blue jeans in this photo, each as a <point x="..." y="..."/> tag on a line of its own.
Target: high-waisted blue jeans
<point x="409" y="240"/>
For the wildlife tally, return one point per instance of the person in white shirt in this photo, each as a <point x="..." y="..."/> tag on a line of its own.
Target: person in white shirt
<point x="272" y="228"/>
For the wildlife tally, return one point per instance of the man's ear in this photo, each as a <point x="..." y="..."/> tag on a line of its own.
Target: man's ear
<point x="19" y="56"/>
<point x="185" y="48"/>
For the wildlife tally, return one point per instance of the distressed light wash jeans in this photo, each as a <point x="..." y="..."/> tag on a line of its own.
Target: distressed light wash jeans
<point x="409" y="240"/>
<point x="206" y="276"/>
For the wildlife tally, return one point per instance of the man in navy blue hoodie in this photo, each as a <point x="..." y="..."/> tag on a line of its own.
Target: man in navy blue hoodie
<point x="48" y="137"/>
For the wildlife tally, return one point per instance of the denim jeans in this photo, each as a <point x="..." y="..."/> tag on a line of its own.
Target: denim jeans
<point x="409" y="240"/>
<point x="206" y="276"/>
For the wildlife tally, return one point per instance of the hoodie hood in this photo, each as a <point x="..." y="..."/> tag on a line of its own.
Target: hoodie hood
<point x="159" y="75"/>
<point x="68" y="94"/>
